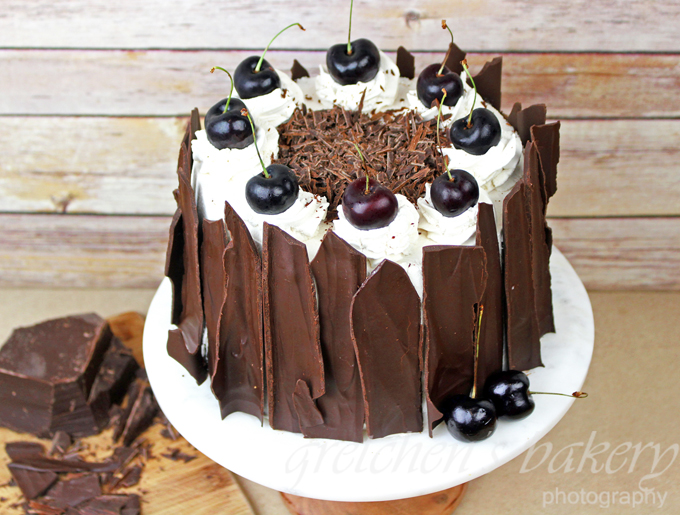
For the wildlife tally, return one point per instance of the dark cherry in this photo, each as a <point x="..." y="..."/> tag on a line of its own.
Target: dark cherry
<point x="468" y="419"/>
<point x="250" y="83"/>
<point x="359" y="66"/>
<point x="484" y="132"/>
<point x="230" y="129"/>
<point x="509" y="393"/>
<point x="454" y="195"/>
<point x="274" y="194"/>
<point x="430" y="85"/>
<point x="368" y="210"/>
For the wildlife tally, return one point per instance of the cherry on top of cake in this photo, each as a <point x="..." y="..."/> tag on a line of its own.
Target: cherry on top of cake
<point x="436" y="79"/>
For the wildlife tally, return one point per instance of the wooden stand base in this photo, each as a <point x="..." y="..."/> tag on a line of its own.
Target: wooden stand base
<point x="440" y="503"/>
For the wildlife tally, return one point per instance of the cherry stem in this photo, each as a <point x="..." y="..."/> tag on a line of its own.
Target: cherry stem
<point x="349" y="34"/>
<point x="439" y="143"/>
<point x="474" y="99"/>
<point x="244" y="112"/>
<point x="575" y="395"/>
<point x="363" y="162"/>
<point x="231" y="91"/>
<point x="479" y="331"/>
<point x="259" y="63"/>
<point x="448" y="52"/>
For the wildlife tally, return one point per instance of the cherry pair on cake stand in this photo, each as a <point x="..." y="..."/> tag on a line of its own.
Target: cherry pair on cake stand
<point x="421" y="474"/>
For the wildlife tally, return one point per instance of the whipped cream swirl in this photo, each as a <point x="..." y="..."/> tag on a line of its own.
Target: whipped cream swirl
<point x="462" y="107"/>
<point x="381" y="91"/>
<point x="276" y="107"/>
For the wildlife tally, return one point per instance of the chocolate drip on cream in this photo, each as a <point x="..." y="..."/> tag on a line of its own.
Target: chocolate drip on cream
<point x="291" y="326"/>
<point x="387" y="341"/>
<point x="454" y="281"/>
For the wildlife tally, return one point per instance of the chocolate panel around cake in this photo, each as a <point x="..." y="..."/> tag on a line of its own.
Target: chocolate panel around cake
<point x="523" y="119"/>
<point x="386" y="333"/>
<point x="491" y="334"/>
<point x="488" y="81"/>
<point x="291" y="326"/>
<point x="339" y="270"/>
<point x="547" y="140"/>
<point x="238" y="380"/>
<point x="174" y="263"/>
<point x="406" y="63"/>
<point x="455" y="59"/>
<point x="454" y="281"/>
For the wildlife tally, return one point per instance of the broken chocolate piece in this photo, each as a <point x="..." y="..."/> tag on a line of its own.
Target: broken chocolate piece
<point x="238" y="380"/>
<point x="75" y="491"/>
<point x="540" y="253"/>
<point x="523" y="119"/>
<point x="18" y="450"/>
<point x="111" y="505"/>
<point x="131" y="477"/>
<point x="193" y="363"/>
<point x="291" y="326"/>
<point x="60" y="443"/>
<point x="488" y="81"/>
<point x="298" y="71"/>
<point x="406" y="63"/>
<point x="214" y="282"/>
<point x="386" y="333"/>
<point x="32" y="483"/>
<point x="144" y="409"/>
<point x="174" y="263"/>
<point x="522" y="331"/>
<point x="547" y="140"/>
<point x="307" y="412"/>
<point x="339" y="271"/>
<point x="491" y="334"/>
<point x="454" y="280"/>
<point x="46" y="374"/>
<point x="456" y="56"/>
<point x="177" y="455"/>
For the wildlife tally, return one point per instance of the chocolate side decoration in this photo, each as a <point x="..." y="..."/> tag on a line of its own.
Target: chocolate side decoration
<point x="488" y="81"/>
<point x="47" y="372"/>
<point x="307" y="412"/>
<point x="298" y="71"/>
<point x="540" y="254"/>
<point x="193" y="125"/>
<point x="386" y="333"/>
<point x="238" y="380"/>
<point x="291" y="326"/>
<point x="193" y="363"/>
<point x="547" y="140"/>
<point x="406" y="63"/>
<point x="339" y="271"/>
<point x="174" y="263"/>
<point x="522" y="331"/>
<point x="454" y="280"/>
<point x="523" y="119"/>
<point x="491" y="335"/>
<point x="214" y="282"/>
<point x="455" y="59"/>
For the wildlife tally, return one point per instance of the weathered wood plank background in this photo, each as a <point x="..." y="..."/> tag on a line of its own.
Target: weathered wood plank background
<point x="94" y="94"/>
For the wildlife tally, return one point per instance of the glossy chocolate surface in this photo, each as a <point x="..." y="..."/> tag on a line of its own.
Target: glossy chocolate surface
<point x="488" y="81"/>
<point x="547" y="140"/>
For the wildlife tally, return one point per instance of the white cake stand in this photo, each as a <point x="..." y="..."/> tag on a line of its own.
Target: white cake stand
<point x="396" y="467"/>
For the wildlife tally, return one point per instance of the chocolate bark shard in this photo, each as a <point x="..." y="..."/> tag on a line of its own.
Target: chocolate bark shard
<point x="522" y="330"/>
<point x="547" y="140"/>
<point x="193" y="363"/>
<point x="456" y="56"/>
<point x="46" y="374"/>
<point x="523" y="119"/>
<point x="540" y="253"/>
<point x="291" y="326"/>
<point x="75" y="491"/>
<point x="454" y="281"/>
<point x="298" y="71"/>
<point x="238" y="380"/>
<point x="307" y="412"/>
<point x="111" y="505"/>
<point x="385" y="317"/>
<point x="18" y="450"/>
<point x="339" y="271"/>
<point x="174" y="263"/>
<point x="32" y="483"/>
<point x="491" y="334"/>
<point x="214" y="283"/>
<point x="60" y="443"/>
<point x="406" y="63"/>
<point x="141" y="416"/>
<point x="488" y="81"/>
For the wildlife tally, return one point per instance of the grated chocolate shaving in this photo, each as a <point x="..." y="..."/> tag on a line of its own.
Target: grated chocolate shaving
<point x="399" y="148"/>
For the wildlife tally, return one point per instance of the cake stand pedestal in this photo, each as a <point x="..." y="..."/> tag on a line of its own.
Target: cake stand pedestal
<point x="393" y="468"/>
<point x="440" y="503"/>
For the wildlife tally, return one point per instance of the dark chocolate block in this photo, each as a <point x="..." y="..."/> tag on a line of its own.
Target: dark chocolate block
<point x="47" y="372"/>
<point x="522" y="330"/>
<point x="491" y="335"/>
<point x="387" y="340"/>
<point x="488" y="81"/>
<point x="454" y="280"/>
<point x="406" y="63"/>
<point x="291" y="326"/>
<point x="238" y="381"/>
<point x="339" y="271"/>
